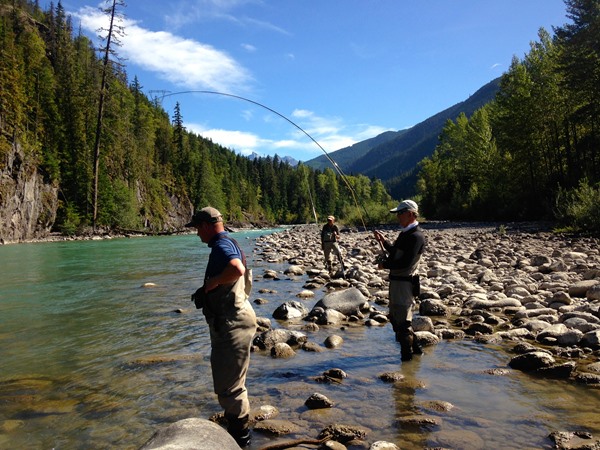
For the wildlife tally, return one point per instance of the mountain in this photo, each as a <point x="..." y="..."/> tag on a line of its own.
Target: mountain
<point x="393" y="156"/>
<point x="286" y="159"/>
<point x="291" y="161"/>
<point x="345" y="157"/>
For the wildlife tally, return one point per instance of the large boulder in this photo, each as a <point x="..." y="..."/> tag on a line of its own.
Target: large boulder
<point x="199" y="434"/>
<point x="326" y="316"/>
<point x="591" y="339"/>
<point x="593" y="293"/>
<point x="269" y="338"/>
<point x="580" y="288"/>
<point x="531" y="361"/>
<point x="290" y="310"/>
<point x="282" y="350"/>
<point x="347" y="301"/>
<point x="433" y="308"/>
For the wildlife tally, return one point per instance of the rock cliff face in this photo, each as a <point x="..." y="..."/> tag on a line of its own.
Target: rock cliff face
<point x="176" y="213"/>
<point x="28" y="204"/>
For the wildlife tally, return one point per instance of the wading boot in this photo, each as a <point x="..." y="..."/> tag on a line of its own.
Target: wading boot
<point x="416" y="347"/>
<point x="243" y="439"/>
<point x="238" y="429"/>
<point x="406" y="344"/>
<point x="406" y="355"/>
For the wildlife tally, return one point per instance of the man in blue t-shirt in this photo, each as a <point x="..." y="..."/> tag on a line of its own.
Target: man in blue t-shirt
<point x="230" y="317"/>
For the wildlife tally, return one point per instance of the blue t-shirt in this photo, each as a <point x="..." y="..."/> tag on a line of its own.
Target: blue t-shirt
<point x="223" y="250"/>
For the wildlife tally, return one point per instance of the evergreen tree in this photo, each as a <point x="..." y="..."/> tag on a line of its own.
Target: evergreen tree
<point x="115" y="155"/>
<point x="580" y="66"/>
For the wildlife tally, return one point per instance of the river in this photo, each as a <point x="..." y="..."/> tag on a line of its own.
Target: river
<point x="91" y="359"/>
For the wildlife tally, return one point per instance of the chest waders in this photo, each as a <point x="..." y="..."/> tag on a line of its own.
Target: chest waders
<point x="232" y="325"/>
<point x="404" y="287"/>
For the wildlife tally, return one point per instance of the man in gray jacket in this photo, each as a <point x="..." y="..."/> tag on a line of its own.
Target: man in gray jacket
<point x="402" y="261"/>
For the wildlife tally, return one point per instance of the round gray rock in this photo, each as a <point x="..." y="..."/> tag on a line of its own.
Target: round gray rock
<point x="199" y="434"/>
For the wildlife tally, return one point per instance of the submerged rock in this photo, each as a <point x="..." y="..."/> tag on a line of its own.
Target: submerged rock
<point x="318" y="401"/>
<point x="573" y="440"/>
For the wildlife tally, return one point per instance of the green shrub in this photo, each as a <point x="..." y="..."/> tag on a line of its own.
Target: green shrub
<point x="71" y="221"/>
<point x="372" y="214"/>
<point x="579" y="209"/>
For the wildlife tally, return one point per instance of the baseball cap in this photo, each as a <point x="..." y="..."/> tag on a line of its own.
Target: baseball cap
<point x="208" y="214"/>
<point x="406" y="205"/>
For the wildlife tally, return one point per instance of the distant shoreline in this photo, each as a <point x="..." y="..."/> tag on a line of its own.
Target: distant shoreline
<point x="528" y="227"/>
<point x="120" y="234"/>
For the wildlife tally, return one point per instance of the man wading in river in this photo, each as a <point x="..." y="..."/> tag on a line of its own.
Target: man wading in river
<point x="230" y="317"/>
<point x="330" y="235"/>
<point x="402" y="261"/>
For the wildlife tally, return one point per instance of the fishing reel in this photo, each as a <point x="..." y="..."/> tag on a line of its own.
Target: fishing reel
<point x="381" y="258"/>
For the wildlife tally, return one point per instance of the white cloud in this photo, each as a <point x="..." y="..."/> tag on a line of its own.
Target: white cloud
<point x="247" y="115"/>
<point x="296" y="143"/>
<point x="301" y="113"/>
<point x="266" y="25"/>
<point x="249" y="48"/>
<point x="332" y="133"/>
<point x="186" y="12"/>
<point x="183" y="62"/>
<point x="243" y="142"/>
<point x="318" y="126"/>
<point x="365" y="131"/>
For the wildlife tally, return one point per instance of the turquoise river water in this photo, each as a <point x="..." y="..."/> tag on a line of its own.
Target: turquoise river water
<point x="90" y="359"/>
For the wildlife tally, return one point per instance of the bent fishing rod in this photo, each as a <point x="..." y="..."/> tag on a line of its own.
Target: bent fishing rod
<point x="327" y="155"/>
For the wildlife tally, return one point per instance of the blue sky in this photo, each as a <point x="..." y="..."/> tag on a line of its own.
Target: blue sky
<point x="342" y="70"/>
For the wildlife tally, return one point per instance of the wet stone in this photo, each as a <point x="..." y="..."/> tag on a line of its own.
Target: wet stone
<point x="318" y="401"/>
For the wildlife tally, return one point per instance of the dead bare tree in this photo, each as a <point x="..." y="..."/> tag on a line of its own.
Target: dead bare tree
<point x="113" y="33"/>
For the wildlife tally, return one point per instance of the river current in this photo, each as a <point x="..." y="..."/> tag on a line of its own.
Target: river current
<point x="92" y="359"/>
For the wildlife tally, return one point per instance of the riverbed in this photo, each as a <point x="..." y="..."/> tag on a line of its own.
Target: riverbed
<point x="101" y="346"/>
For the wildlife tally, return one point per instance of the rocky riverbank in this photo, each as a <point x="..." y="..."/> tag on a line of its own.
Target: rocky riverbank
<point x="521" y="284"/>
<point x="517" y="287"/>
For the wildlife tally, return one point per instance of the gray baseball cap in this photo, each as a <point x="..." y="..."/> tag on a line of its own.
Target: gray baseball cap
<point x="208" y="214"/>
<point x="406" y="205"/>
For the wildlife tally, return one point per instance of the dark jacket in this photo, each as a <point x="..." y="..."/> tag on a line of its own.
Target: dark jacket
<point x="405" y="253"/>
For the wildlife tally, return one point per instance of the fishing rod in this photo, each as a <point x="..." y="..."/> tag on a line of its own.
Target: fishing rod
<point x="330" y="159"/>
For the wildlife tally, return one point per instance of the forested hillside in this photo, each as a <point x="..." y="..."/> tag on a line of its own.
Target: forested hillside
<point x="62" y="103"/>
<point x="82" y="146"/>
<point x="534" y="152"/>
<point x="346" y="157"/>
<point x="395" y="162"/>
<point x="393" y="156"/>
<point x="525" y="146"/>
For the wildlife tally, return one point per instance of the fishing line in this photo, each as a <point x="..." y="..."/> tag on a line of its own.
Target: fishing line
<point x="333" y="163"/>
